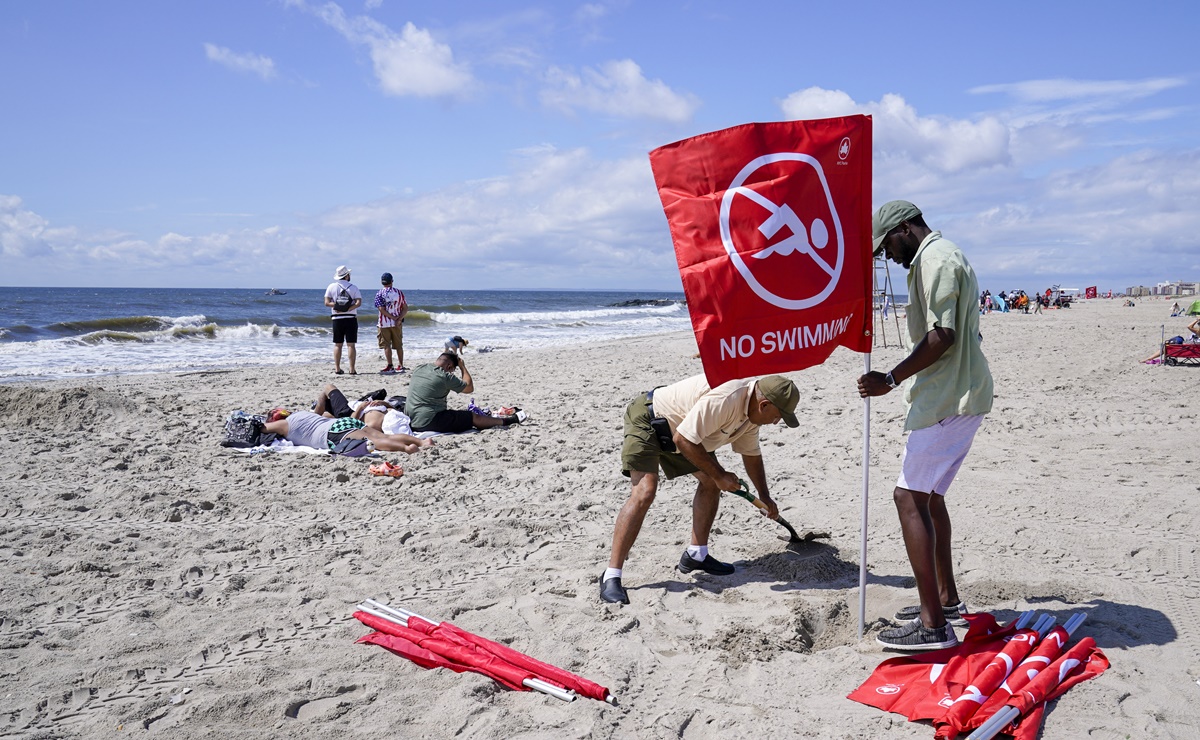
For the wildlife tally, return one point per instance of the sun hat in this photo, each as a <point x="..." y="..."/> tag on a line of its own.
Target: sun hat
<point x="888" y="217"/>
<point x="784" y="394"/>
<point x="386" y="278"/>
<point x="342" y="273"/>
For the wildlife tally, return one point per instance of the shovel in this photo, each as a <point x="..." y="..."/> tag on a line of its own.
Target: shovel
<point x="744" y="492"/>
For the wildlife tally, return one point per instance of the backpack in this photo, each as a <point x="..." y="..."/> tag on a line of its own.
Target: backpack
<point x="242" y="430"/>
<point x="344" y="300"/>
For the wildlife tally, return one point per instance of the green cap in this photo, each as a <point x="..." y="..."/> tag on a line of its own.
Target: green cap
<point x="888" y="217"/>
<point x="784" y="394"/>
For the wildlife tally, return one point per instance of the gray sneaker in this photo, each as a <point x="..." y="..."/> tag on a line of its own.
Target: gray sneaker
<point x="915" y="636"/>
<point x="954" y="614"/>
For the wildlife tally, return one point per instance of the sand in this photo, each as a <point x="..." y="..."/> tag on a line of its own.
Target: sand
<point x="156" y="583"/>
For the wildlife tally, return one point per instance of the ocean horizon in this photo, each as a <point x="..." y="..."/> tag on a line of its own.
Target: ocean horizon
<point x="48" y="333"/>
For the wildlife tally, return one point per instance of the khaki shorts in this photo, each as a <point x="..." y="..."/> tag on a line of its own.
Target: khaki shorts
<point x="640" y="450"/>
<point x="391" y="337"/>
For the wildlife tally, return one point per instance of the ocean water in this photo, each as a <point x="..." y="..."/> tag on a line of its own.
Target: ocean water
<point x="67" y="332"/>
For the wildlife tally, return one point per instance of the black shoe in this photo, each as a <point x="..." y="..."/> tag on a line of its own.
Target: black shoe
<point x="612" y="591"/>
<point x="915" y="636"/>
<point x="709" y="565"/>
<point x="953" y="614"/>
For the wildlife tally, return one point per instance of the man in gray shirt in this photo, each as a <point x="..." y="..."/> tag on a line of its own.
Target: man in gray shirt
<point x="313" y="430"/>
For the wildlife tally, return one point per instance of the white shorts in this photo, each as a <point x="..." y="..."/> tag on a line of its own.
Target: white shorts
<point x="933" y="455"/>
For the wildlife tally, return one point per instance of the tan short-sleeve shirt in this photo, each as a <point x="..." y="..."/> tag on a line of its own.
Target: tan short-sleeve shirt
<point x="710" y="417"/>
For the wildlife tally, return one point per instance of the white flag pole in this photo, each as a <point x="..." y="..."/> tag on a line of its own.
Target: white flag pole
<point x="866" y="476"/>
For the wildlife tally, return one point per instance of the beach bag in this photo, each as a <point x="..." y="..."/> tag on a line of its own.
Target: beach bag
<point x="344" y="301"/>
<point x="242" y="430"/>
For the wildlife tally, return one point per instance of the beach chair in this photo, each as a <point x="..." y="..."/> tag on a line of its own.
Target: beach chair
<point x="1181" y="354"/>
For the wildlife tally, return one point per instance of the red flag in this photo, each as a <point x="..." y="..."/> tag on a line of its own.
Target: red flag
<point x="772" y="230"/>
<point x="1045" y="653"/>
<point x="969" y="698"/>
<point x="446" y="645"/>
<point x="918" y="686"/>
<point x="1090" y="292"/>
<point x="1082" y="662"/>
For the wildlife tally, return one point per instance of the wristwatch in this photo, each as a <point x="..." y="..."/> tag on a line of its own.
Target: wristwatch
<point x="890" y="381"/>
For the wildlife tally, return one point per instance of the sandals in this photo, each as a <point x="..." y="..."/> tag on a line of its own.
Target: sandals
<point x="387" y="469"/>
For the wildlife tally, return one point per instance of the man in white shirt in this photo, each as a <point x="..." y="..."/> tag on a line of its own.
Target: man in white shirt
<point x="343" y="299"/>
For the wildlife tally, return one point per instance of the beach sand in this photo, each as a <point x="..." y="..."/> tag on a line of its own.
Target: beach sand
<point x="156" y="583"/>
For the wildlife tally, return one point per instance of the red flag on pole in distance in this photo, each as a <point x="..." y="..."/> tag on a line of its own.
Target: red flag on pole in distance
<point x="1090" y="292"/>
<point x="772" y="230"/>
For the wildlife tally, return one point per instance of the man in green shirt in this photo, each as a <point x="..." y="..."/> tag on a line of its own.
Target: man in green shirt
<point x="428" y="388"/>
<point x="949" y="392"/>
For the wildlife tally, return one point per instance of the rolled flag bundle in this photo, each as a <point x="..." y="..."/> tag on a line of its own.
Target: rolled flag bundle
<point x="445" y="645"/>
<point x="1083" y="661"/>
<point x="988" y="680"/>
<point x="1043" y="655"/>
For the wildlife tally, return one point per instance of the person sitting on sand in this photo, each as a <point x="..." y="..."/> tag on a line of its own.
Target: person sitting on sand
<point x="679" y="427"/>
<point x="428" y="388"/>
<point x="1175" y="309"/>
<point x="313" y="430"/>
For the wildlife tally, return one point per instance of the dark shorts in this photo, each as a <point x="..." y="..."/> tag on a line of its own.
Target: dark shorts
<point x="640" y="450"/>
<point x="340" y="428"/>
<point x="345" y="330"/>
<point x="338" y="405"/>
<point x="449" y="422"/>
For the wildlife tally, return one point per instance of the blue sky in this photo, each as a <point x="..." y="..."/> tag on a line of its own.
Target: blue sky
<point x="262" y="143"/>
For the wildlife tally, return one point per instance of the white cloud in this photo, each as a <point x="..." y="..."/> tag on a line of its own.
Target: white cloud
<point x="256" y="64"/>
<point x="560" y="218"/>
<point x="408" y="62"/>
<point x="939" y="143"/>
<point x="617" y="88"/>
<point x="999" y="185"/>
<point x="1040" y="91"/>
<point x="372" y="4"/>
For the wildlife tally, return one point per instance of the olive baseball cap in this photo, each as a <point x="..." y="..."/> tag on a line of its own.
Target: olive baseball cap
<point x="888" y="217"/>
<point x="784" y="394"/>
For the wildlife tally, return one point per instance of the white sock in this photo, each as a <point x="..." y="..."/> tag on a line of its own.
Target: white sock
<point x="697" y="552"/>
<point x="611" y="573"/>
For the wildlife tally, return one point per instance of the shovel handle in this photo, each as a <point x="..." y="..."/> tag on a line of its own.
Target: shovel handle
<point x="744" y="492"/>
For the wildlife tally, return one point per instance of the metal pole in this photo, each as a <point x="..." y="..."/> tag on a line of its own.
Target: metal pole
<point x="866" y="489"/>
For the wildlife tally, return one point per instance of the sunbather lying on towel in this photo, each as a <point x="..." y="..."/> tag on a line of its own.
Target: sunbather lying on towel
<point x="313" y="430"/>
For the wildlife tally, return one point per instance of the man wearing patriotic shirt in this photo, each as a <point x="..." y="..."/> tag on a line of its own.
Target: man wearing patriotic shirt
<point x="949" y="393"/>
<point x="678" y="427"/>
<point x="392" y="310"/>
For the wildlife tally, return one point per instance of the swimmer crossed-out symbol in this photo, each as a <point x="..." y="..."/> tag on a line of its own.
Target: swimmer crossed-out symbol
<point x="781" y="216"/>
<point x="821" y="242"/>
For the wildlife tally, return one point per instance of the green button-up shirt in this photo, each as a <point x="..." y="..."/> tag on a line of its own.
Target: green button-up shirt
<point x="943" y="292"/>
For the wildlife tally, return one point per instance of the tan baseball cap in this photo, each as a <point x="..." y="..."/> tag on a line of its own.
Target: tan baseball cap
<point x="784" y="394"/>
<point x="888" y="217"/>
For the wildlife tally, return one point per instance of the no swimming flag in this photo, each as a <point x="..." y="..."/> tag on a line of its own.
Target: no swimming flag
<point x="772" y="230"/>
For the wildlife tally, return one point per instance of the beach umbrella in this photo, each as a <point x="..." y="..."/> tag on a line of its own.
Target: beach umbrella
<point x="918" y="686"/>
<point x="986" y="681"/>
<point x="1043" y="655"/>
<point x="1080" y="663"/>
<point x="460" y="650"/>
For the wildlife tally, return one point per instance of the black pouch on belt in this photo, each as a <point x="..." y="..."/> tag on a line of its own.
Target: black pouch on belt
<point x="662" y="431"/>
